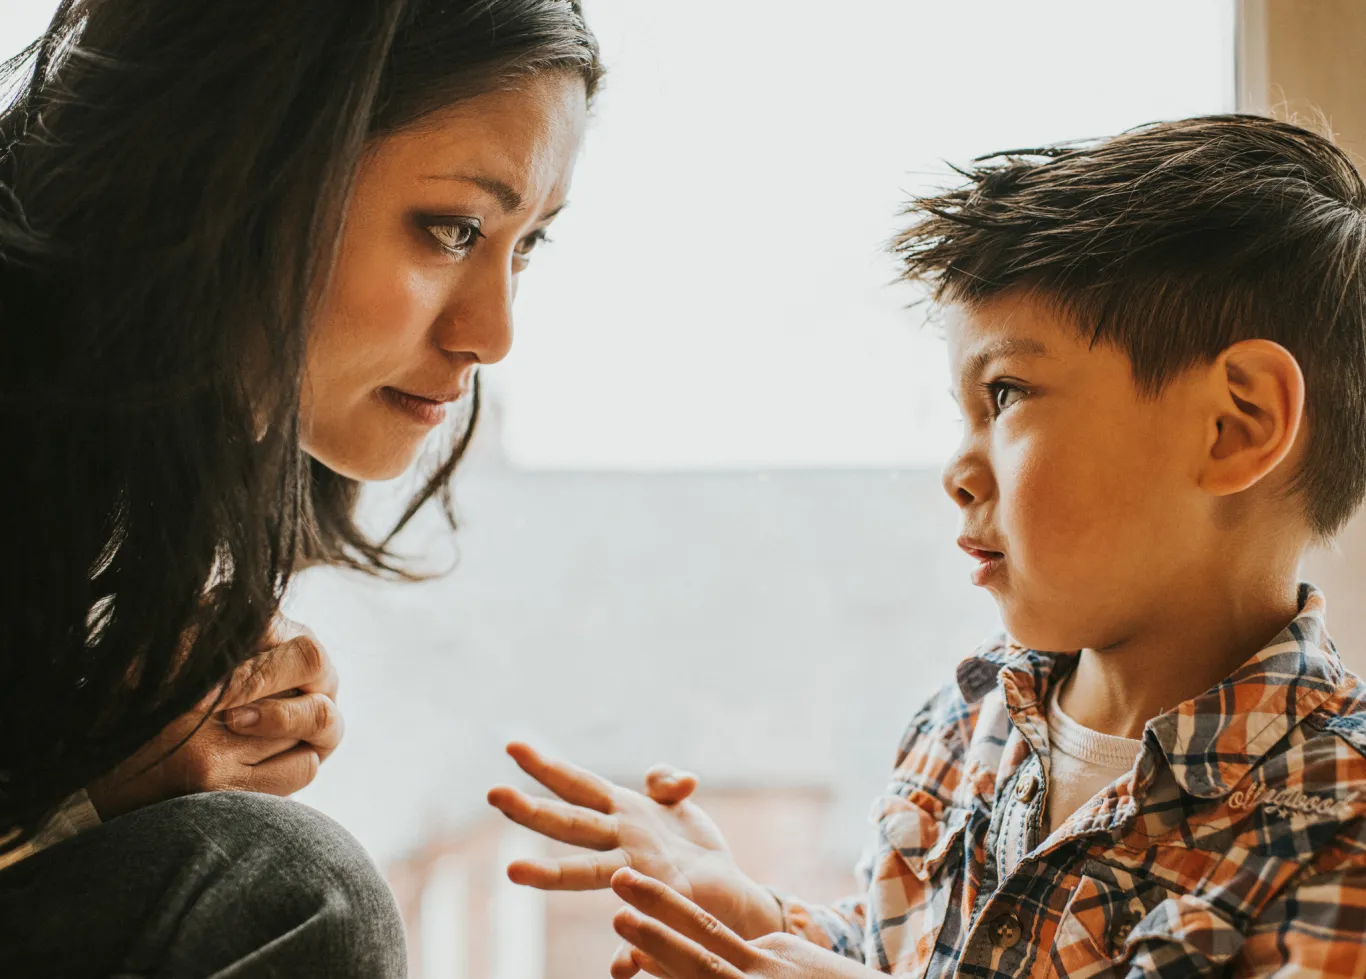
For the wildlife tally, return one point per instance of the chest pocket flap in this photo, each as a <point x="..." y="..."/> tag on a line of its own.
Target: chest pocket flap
<point x="1205" y="938"/>
<point x="922" y="832"/>
<point x="1149" y="930"/>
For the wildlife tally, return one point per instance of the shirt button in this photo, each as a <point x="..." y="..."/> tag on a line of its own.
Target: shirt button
<point x="1024" y="788"/>
<point x="1006" y="931"/>
<point x="1124" y="926"/>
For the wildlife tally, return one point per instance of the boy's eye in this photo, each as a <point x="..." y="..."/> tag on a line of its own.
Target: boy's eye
<point x="528" y="244"/>
<point x="1003" y="394"/>
<point x="455" y="237"/>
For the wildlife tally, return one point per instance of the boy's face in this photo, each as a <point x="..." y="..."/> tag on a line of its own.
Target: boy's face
<point x="1079" y="496"/>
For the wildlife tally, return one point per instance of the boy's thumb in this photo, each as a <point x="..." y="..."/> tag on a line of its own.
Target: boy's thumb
<point x="667" y="785"/>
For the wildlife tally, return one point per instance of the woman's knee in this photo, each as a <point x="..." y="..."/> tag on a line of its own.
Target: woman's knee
<point x="294" y="880"/>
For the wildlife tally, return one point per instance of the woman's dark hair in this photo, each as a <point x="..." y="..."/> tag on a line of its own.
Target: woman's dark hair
<point x="173" y="178"/>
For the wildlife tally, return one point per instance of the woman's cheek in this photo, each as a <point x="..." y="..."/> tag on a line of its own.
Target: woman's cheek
<point x="389" y="308"/>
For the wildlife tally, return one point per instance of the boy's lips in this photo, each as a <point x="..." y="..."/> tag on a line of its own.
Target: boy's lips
<point x="989" y="560"/>
<point x="977" y="549"/>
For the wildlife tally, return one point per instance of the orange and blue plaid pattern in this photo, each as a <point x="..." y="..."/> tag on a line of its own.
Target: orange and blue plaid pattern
<point x="1235" y="846"/>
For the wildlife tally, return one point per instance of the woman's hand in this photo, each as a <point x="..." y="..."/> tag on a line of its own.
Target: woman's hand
<point x="669" y="936"/>
<point x="660" y="834"/>
<point x="276" y="723"/>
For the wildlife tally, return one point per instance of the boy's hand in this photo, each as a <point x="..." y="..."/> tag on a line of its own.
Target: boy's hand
<point x="663" y="836"/>
<point x="672" y="937"/>
<point x="291" y="686"/>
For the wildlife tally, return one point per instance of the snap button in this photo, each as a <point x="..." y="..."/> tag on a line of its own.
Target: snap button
<point x="1024" y="788"/>
<point x="1123" y="927"/>
<point x="1006" y="931"/>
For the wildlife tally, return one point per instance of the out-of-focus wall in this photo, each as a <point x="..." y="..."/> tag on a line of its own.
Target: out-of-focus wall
<point x="1302" y="57"/>
<point x="1306" y="55"/>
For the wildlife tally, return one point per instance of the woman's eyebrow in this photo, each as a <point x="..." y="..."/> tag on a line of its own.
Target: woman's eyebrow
<point x="508" y="197"/>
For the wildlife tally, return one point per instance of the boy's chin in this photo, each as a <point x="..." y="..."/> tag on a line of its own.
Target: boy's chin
<point x="1037" y="628"/>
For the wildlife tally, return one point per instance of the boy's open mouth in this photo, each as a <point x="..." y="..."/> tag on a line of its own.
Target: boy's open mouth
<point x="977" y="551"/>
<point x="988" y="560"/>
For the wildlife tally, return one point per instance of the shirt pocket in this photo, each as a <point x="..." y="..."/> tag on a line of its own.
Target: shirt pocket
<point x="913" y="879"/>
<point x="1117" y="924"/>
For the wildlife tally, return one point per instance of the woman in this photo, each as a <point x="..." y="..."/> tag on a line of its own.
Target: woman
<point x="249" y="254"/>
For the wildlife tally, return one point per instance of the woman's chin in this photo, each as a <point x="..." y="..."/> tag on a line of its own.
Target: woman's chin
<point x="389" y="461"/>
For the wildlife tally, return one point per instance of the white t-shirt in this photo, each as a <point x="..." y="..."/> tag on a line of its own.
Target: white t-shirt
<point x="1082" y="762"/>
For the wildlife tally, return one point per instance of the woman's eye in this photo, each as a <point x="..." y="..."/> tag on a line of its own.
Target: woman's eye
<point x="457" y="238"/>
<point x="528" y="244"/>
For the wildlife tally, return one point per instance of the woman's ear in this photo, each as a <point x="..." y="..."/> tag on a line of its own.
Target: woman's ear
<point x="1258" y="391"/>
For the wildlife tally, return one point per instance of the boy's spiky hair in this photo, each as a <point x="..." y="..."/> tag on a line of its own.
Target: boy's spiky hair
<point x="1171" y="242"/>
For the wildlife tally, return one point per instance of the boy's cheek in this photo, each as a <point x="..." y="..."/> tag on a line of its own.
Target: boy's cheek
<point x="1064" y="526"/>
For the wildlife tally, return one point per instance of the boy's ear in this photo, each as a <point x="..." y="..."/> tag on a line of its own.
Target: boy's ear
<point x="1258" y="391"/>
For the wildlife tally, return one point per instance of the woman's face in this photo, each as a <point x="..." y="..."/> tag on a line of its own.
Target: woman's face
<point x="442" y="220"/>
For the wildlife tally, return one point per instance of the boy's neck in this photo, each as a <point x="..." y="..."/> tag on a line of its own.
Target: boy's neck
<point x="1196" y="642"/>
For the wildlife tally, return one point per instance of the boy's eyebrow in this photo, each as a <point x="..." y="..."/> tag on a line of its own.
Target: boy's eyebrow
<point x="1006" y="347"/>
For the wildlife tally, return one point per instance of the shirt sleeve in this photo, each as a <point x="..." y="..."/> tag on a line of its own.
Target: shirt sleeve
<point x="837" y="927"/>
<point x="1317" y="928"/>
<point x="841" y="927"/>
<point x="76" y="815"/>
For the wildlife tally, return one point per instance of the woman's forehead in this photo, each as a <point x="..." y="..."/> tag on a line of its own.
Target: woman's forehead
<point x="519" y="141"/>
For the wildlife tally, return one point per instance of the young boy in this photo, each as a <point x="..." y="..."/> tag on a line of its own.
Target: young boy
<point x="1158" y="342"/>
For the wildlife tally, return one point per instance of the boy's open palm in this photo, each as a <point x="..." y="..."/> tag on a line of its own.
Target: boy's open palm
<point x="659" y="834"/>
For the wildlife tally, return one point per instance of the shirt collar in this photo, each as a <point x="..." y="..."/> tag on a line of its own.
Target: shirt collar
<point x="1211" y="741"/>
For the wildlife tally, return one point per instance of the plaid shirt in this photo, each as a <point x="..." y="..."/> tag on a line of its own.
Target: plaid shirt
<point x="1234" y="847"/>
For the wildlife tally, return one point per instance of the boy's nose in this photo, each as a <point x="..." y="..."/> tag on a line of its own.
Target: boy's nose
<point x="965" y="482"/>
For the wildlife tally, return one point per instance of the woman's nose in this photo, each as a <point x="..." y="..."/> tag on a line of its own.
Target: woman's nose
<point x="478" y="320"/>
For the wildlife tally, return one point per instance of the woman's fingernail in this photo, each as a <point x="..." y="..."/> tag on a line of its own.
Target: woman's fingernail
<point x="243" y="717"/>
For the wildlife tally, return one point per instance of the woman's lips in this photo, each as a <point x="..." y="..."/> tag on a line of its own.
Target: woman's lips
<point x="424" y="411"/>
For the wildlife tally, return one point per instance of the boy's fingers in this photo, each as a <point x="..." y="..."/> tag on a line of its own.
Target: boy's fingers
<point x="586" y="872"/>
<point x="630" y="960"/>
<point x="569" y="782"/>
<point x="558" y="820"/>
<point x="662" y="903"/>
<point x="679" y="956"/>
<point x="667" y="785"/>
<point x="623" y="966"/>
<point x="311" y="717"/>
<point x="647" y="964"/>
<point x="286" y="773"/>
